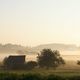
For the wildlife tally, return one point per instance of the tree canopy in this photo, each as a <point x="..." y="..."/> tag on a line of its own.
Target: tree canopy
<point x="48" y="58"/>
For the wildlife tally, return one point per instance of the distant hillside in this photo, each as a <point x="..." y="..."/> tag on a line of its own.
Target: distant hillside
<point x="10" y="48"/>
<point x="56" y="46"/>
<point x="13" y="48"/>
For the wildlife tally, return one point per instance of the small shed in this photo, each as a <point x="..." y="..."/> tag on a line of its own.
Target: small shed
<point x="15" y="61"/>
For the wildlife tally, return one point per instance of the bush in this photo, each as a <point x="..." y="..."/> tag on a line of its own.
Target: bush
<point x="78" y="62"/>
<point x="31" y="65"/>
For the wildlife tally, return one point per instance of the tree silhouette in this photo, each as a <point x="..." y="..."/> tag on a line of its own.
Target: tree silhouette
<point x="78" y="62"/>
<point x="49" y="58"/>
<point x="5" y="62"/>
<point x="31" y="64"/>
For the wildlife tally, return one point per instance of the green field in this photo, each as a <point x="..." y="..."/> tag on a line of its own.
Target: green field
<point x="69" y="71"/>
<point x="40" y="74"/>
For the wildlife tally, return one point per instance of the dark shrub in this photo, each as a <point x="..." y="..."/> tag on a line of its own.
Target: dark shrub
<point x="78" y="62"/>
<point x="31" y="64"/>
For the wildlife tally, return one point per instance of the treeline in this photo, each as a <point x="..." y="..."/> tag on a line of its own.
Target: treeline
<point x="10" y="48"/>
<point x="30" y="76"/>
<point x="46" y="59"/>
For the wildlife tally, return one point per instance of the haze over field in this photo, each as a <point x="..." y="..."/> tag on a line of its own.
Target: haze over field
<point x="40" y="39"/>
<point x="32" y="25"/>
<point x="14" y="48"/>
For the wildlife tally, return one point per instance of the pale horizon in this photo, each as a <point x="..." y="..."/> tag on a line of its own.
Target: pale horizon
<point x="35" y="22"/>
<point x="39" y="44"/>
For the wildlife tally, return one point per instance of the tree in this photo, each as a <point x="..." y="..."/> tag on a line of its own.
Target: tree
<point x="61" y="60"/>
<point x="49" y="58"/>
<point x="5" y="61"/>
<point x="78" y="62"/>
<point x="31" y="64"/>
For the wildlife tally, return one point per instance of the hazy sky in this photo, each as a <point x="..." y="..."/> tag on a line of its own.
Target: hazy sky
<point x="33" y="22"/>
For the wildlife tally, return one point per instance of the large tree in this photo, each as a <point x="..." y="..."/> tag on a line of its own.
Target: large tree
<point x="48" y="58"/>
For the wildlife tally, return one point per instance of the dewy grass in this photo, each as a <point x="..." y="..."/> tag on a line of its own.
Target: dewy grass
<point x="37" y="76"/>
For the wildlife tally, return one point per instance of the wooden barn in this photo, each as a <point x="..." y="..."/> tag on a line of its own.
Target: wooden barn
<point x="15" y="61"/>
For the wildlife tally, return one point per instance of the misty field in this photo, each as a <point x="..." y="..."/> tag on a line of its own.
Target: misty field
<point x="69" y="71"/>
<point x="40" y="74"/>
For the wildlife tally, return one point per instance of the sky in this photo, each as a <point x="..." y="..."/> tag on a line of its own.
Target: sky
<point x="35" y="22"/>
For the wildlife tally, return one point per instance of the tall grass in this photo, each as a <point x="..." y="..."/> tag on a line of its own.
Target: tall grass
<point x="30" y="76"/>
